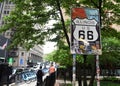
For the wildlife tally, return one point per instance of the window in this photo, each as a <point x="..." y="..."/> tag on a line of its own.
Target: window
<point x="8" y="2"/>
<point x="22" y="53"/>
<point x="6" y="12"/>
<point x="3" y="22"/>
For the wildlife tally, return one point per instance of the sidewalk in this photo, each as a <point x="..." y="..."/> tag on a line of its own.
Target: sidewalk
<point x="58" y="82"/>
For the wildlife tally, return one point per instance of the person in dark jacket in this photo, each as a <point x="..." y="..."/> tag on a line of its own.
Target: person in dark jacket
<point x="39" y="77"/>
<point x="52" y="75"/>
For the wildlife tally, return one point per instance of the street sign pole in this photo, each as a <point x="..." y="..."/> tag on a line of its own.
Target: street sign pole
<point x="97" y="70"/>
<point x="74" y="69"/>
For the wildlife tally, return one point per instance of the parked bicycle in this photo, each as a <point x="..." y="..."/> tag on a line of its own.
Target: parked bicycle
<point x="29" y="76"/>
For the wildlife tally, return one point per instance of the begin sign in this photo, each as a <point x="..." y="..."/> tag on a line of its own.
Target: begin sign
<point x="85" y="33"/>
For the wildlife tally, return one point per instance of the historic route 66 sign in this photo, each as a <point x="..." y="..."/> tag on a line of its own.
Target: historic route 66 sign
<point x="85" y="34"/>
<point x="85" y="29"/>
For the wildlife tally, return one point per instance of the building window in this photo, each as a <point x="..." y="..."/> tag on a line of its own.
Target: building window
<point x="3" y="22"/>
<point x="22" y="53"/>
<point x="6" y="12"/>
<point x="29" y="54"/>
<point x="8" y="2"/>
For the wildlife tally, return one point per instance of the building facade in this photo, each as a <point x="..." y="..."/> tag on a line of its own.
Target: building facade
<point x="20" y="56"/>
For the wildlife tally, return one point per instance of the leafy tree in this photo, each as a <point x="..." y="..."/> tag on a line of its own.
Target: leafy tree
<point x="110" y="57"/>
<point x="31" y="13"/>
<point x="30" y="17"/>
<point x="28" y="21"/>
<point x="49" y="57"/>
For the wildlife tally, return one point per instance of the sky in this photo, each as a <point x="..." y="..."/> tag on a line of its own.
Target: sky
<point x="49" y="47"/>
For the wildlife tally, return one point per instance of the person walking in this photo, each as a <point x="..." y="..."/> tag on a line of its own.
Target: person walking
<point x="52" y="75"/>
<point x="40" y="77"/>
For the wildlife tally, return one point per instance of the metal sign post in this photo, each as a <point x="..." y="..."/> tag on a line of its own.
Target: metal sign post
<point x="74" y="69"/>
<point x="97" y="70"/>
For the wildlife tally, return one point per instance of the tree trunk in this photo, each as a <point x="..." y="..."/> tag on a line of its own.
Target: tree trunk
<point x="78" y="72"/>
<point x="63" y="23"/>
<point x="93" y="72"/>
<point x="84" y="69"/>
<point x="80" y="80"/>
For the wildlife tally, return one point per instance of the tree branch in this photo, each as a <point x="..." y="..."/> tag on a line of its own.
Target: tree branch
<point x="63" y="23"/>
<point x="94" y="3"/>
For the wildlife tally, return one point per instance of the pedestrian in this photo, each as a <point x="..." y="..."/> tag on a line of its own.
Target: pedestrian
<point x="39" y="77"/>
<point x="52" y="75"/>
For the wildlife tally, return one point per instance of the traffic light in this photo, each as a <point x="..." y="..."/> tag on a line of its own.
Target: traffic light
<point x="10" y="60"/>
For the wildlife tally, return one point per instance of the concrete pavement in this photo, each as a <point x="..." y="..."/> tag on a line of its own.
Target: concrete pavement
<point x="58" y="82"/>
<point x="33" y="83"/>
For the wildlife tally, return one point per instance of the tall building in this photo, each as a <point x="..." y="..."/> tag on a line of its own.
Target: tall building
<point x="20" y="56"/>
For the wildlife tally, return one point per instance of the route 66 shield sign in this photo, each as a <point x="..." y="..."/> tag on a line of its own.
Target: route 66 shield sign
<point x="85" y="31"/>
